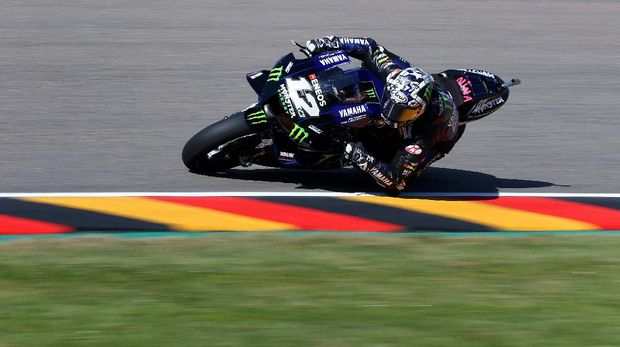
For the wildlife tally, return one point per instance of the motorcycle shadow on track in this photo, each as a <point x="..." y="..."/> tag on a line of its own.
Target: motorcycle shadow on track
<point x="434" y="179"/>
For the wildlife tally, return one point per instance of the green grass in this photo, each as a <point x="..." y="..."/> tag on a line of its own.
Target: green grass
<point x="311" y="290"/>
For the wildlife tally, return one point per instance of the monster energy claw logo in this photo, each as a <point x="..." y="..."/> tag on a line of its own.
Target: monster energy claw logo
<point x="382" y="59"/>
<point x="298" y="134"/>
<point x="427" y="93"/>
<point x="371" y="93"/>
<point x="275" y="74"/>
<point x="257" y="117"/>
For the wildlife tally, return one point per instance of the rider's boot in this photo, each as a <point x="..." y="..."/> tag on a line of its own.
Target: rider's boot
<point x="379" y="170"/>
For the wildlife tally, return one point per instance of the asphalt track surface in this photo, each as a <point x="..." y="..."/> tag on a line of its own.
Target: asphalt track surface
<point x="102" y="95"/>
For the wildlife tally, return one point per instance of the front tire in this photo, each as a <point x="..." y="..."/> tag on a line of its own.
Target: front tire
<point x="196" y="151"/>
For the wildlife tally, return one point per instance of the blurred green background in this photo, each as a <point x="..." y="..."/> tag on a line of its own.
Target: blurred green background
<point x="311" y="290"/>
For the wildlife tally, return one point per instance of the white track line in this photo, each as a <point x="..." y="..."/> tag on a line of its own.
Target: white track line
<point x="307" y="194"/>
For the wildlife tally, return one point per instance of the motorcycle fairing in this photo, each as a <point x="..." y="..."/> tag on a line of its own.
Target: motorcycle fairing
<point x="477" y="93"/>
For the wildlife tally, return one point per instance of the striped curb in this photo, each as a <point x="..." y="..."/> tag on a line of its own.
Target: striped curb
<point x="30" y="214"/>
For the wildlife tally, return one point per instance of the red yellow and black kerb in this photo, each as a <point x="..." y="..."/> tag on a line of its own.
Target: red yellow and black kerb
<point x="69" y="214"/>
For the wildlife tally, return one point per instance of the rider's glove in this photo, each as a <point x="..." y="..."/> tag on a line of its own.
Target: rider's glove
<point x="406" y="164"/>
<point x="326" y="43"/>
<point x="356" y="154"/>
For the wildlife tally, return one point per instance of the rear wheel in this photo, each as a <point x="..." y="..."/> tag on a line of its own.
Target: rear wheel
<point x="219" y="146"/>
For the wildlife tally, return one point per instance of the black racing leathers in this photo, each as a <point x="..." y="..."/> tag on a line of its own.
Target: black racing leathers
<point x="426" y="140"/>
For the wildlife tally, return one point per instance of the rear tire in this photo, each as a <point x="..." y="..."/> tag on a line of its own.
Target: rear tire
<point x="196" y="150"/>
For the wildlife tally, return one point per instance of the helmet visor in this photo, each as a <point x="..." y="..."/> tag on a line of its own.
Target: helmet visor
<point x="397" y="114"/>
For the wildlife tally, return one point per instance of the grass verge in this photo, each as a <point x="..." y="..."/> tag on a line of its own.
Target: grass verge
<point x="311" y="290"/>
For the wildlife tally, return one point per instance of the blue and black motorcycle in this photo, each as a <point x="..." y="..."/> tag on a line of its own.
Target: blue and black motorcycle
<point x="307" y="109"/>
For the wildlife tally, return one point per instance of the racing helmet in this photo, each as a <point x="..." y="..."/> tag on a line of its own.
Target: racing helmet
<point x="407" y="96"/>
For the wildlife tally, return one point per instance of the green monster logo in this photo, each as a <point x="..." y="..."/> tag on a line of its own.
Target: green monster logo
<point x="298" y="134"/>
<point x="427" y="93"/>
<point x="275" y="74"/>
<point x="446" y="100"/>
<point x="257" y="117"/>
<point x="371" y="93"/>
<point x="382" y="59"/>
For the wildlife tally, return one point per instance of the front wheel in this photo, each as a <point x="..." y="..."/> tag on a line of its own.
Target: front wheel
<point x="219" y="146"/>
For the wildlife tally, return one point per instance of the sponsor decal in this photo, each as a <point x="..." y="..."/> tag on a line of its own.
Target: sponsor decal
<point x="479" y="72"/>
<point x="318" y="92"/>
<point x="300" y="92"/>
<point x="427" y="92"/>
<point x="256" y="75"/>
<point x="287" y="155"/>
<point x="383" y="58"/>
<point x="287" y="158"/>
<point x="399" y="97"/>
<point x="258" y="117"/>
<point x="465" y="86"/>
<point x="298" y="134"/>
<point x="354" y="119"/>
<point x="315" y="129"/>
<point x="353" y="111"/>
<point x="355" y="41"/>
<point x="371" y="93"/>
<point x="285" y="101"/>
<point x="275" y="74"/>
<point x="333" y="59"/>
<point x="374" y="171"/>
<point x="486" y="105"/>
<point x="413" y="149"/>
<point x="288" y="67"/>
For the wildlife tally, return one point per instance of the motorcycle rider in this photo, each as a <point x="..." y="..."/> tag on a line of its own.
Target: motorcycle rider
<point x="422" y="111"/>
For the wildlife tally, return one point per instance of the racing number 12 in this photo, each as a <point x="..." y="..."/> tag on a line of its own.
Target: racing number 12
<point x="300" y="92"/>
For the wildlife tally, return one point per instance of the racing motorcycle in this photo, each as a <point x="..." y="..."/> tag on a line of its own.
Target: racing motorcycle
<point x="307" y="109"/>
